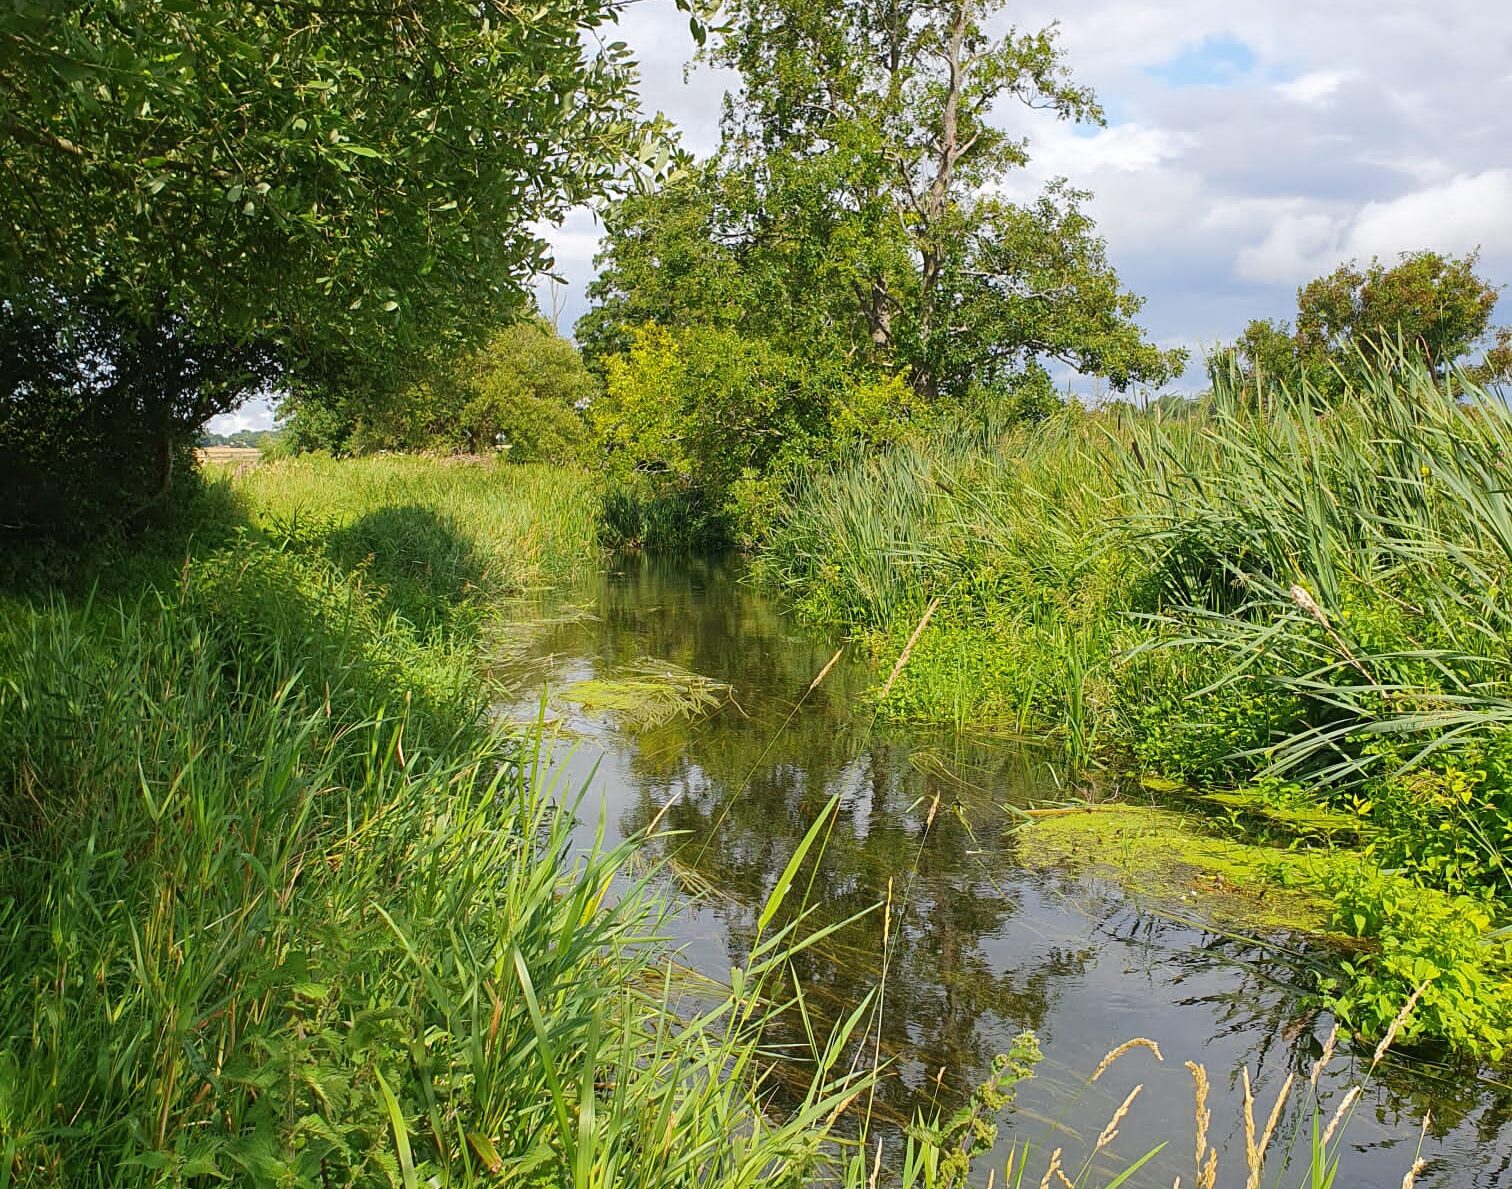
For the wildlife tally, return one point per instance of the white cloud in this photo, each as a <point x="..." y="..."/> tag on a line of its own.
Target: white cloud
<point x="1315" y="86"/>
<point x="1291" y="250"/>
<point x="257" y="413"/>
<point x="1466" y="213"/>
<point x="1469" y="211"/>
<point x="1120" y="148"/>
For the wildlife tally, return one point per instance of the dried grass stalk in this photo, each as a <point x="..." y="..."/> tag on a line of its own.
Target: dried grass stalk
<point x="1139" y="1042"/>
<point x="1338" y="1116"/>
<point x="1110" y="1132"/>
<point x="908" y="648"/>
<point x="1325" y="1057"/>
<point x="1055" y="1163"/>
<point x="1206" y="1156"/>
<point x="1396" y="1024"/>
<point x="1255" y="1149"/>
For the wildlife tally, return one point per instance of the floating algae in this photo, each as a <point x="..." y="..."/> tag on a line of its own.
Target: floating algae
<point x="1163" y="855"/>
<point x="650" y="694"/>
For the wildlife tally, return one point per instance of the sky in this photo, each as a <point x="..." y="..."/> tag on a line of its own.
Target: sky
<point x="1250" y="146"/>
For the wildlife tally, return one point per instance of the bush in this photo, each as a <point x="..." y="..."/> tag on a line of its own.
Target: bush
<point x="1421" y="938"/>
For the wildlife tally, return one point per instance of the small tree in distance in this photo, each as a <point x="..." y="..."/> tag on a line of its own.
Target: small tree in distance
<point x="525" y="391"/>
<point x="1433" y="307"/>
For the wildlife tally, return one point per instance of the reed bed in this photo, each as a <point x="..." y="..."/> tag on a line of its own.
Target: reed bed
<point x="1300" y="596"/>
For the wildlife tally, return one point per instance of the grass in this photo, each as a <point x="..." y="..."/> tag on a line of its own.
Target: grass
<point x="279" y="906"/>
<point x="650" y="694"/>
<point x="453" y="528"/>
<point x="1304" y="600"/>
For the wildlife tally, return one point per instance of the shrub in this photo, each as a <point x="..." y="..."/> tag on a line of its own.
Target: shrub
<point x="1421" y="938"/>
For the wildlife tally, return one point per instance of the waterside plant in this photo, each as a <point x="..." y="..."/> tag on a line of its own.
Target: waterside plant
<point x="1303" y="598"/>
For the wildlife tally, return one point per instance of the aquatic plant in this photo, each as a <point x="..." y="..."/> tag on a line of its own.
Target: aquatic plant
<point x="650" y="693"/>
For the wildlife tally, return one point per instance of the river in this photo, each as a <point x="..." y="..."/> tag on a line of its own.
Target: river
<point x="981" y="945"/>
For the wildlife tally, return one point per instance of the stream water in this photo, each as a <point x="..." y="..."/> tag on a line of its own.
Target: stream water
<point x="982" y="946"/>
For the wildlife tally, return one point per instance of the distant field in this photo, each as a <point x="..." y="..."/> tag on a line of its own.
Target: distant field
<point x="229" y="454"/>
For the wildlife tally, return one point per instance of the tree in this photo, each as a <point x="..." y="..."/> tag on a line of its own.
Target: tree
<point x="96" y="411"/>
<point x="853" y="212"/>
<point x="528" y="391"/>
<point x="349" y="190"/>
<point x="525" y="390"/>
<point x="1430" y="306"/>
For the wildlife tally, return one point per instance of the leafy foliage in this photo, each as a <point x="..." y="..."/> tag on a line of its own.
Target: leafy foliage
<point x="524" y="391"/>
<point x="277" y="172"/>
<point x="215" y="197"/>
<point x="848" y="234"/>
<point x="1427" y="306"/>
<point x="1422" y="938"/>
<point x="96" y="411"/>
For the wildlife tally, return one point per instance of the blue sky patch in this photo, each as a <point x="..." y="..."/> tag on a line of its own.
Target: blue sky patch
<point x="1216" y="62"/>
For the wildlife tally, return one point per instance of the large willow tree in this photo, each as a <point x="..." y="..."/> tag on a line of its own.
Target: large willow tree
<point x="205" y="198"/>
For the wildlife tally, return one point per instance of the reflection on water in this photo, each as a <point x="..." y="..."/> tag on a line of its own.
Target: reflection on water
<point x="981" y="946"/>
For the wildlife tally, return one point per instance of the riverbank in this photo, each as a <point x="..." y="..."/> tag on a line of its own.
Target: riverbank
<point x="1305" y="606"/>
<point x="284" y="905"/>
<point x="278" y="904"/>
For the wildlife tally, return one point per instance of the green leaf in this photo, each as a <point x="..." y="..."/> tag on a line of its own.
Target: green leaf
<point x="785" y="880"/>
<point x="401" y="1132"/>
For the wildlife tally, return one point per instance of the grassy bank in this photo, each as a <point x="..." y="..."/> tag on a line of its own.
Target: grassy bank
<point x="279" y="906"/>
<point x="1306" y="604"/>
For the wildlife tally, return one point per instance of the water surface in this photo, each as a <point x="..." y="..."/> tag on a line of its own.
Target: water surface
<point x="982" y="947"/>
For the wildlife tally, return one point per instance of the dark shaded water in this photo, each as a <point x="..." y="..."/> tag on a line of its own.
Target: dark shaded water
<point x="982" y="946"/>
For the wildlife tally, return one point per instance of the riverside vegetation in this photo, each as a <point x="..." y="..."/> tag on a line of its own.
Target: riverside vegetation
<point x="1302" y="601"/>
<point x="280" y="904"/>
<point x="283" y="907"/>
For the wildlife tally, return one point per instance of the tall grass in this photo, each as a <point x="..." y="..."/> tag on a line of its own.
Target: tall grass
<point x="1305" y="595"/>
<point x="279" y="906"/>
<point x="250" y="936"/>
<point x="1357" y="557"/>
<point x="454" y="525"/>
<point x="1265" y="534"/>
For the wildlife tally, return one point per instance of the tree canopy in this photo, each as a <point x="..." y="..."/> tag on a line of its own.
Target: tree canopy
<point x="338" y="195"/>
<point x="523" y="391"/>
<point x="1433" y="307"/>
<point x="856" y="211"/>
<point x="310" y="174"/>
